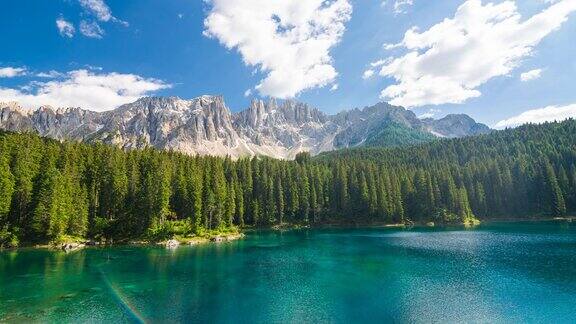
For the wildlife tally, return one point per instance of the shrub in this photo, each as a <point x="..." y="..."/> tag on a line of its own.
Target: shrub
<point x="8" y="239"/>
<point x="168" y="229"/>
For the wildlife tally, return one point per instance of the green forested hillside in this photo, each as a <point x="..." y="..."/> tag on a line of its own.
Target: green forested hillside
<point x="393" y="134"/>
<point x="50" y="190"/>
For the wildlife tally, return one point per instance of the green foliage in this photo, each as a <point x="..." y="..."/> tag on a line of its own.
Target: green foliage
<point x="443" y="216"/>
<point x="52" y="190"/>
<point x="8" y="239"/>
<point x="168" y="230"/>
<point x="6" y="188"/>
<point x="303" y="157"/>
<point x="395" y="135"/>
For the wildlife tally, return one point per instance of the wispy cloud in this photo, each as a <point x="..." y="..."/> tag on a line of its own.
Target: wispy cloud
<point x="65" y="28"/>
<point x="50" y="74"/>
<point x="100" y="10"/>
<point x="398" y="6"/>
<point x="531" y="75"/>
<point x="91" y="29"/>
<point x="94" y="13"/>
<point x="367" y="74"/>
<point x="11" y="72"/>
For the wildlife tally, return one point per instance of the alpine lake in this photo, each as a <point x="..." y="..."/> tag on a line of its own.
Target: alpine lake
<point x="520" y="272"/>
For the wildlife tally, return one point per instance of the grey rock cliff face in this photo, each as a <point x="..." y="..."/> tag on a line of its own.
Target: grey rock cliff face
<point x="455" y="126"/>
<point x="358" y="124"/>
<point x="205" y="126"/>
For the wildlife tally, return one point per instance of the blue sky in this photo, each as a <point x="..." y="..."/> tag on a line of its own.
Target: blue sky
<point x="501" y="62"/>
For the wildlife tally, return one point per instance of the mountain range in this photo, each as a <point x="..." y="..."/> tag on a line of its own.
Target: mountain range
<point x="206" y="126"/>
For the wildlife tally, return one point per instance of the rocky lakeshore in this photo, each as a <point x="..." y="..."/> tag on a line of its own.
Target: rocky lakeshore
<point x="176" y="242"/>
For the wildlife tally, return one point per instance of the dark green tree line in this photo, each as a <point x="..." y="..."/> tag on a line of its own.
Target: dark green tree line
<point x="50" y="189"/>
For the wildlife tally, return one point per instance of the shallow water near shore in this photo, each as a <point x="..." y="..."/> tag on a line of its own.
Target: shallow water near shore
<point x="502" y="272"/>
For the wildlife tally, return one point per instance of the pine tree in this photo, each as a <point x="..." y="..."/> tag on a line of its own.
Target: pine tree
<point x="46" y="202"/>
<point x="230" y="205"/>
<point x="196" y="190"/>
<point x="49" y="189"/>
<point x="280" y="201"/>
<point x="364" y="193"/>
<point x="480" y="199"/>
<point x="6" y="189"/>
<point x="555" y="197"/>
<point x="304" y="194"/>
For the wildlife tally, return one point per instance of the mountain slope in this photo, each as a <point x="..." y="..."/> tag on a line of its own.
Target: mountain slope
<point x="205" y="126"/>
<point x="392" y="134"/>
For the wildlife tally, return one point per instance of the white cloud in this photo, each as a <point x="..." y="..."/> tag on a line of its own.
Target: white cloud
<point x="380" y="62"/>
<point x="82" y="88"/>
<point x="11" y="72"/>
<point x="91" y="29"/>
<point x="100" y="10"/>
<point x="65" y="28"/>
<point x="50" y="74"/>
<point x="367" y="74"/>
<point x="248" y="93"/>
<point x="289" y="40"/>
<point x="449" y="61"/>
<point x="334" y="87"/>
<point x="541" y="115"/>
<point x="531" y="75"/>
<point x="400" y="6"/>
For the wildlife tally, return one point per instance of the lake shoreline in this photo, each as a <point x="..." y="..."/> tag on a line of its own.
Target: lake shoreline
<point x="200" y="240"/>
<point x="171" y="243"/>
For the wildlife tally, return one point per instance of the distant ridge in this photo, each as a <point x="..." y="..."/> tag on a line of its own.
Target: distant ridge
<point x="205" y="126"/>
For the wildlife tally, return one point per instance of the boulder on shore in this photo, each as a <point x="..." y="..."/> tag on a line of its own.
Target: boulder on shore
<point x="227" y="238"/>
<point x="232" y="237"/>
<point x="72" y="246"/>
<point x="170" y="244"/>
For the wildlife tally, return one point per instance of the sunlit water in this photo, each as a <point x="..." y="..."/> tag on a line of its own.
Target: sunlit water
<point x="497" y="273"/>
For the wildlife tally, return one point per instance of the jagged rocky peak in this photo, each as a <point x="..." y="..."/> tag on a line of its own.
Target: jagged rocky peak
<point x="176" y="104"/>
<point x="455" y="125"/>
<point x="255" y="115"/>
<point x="204" y="125"/>
<point x="300" y="113"/>
<point x="170" y="122"/>
<point x="15" y="106"/>
<point x="272" y="113"/>
<point x="14" y="117"/>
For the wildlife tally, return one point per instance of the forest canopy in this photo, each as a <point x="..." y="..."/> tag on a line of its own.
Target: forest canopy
<point x="51" y="189"/>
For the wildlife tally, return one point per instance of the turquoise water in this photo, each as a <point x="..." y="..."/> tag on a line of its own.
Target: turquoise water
<point x="497" y="273"/>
